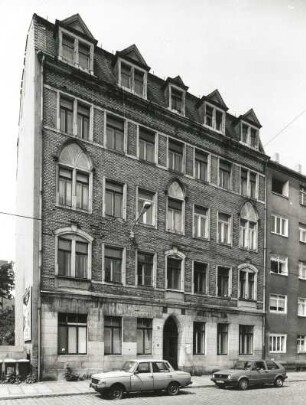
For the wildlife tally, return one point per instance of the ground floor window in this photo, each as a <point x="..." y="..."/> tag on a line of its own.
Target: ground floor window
<point x="198" y="338"/>
<point x="222" y="338"/>
<point x="277" y="343"/>
<point x="144" y="336"/>
<point x="72" y="333"/>
<point x="301" y="344"/>
<point x="246" y="333"/>
<point x="112" y="335"/>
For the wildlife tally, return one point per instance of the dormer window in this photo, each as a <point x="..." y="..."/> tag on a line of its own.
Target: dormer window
<point x="132" y="79"/>
<point x="249" y="135"/>
<point x="214" y="118"/>
<point x="177" y="100"/>
<point x="75" y="51"/>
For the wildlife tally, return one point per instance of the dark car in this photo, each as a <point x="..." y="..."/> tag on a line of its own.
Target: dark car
<point x="246" y="373"/>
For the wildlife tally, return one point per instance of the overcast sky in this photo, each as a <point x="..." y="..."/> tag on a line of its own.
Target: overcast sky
<point x="252" y="51"/>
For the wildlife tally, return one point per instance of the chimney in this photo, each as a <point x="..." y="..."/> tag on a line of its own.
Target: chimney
<point x="276" y="157"/>
<point x="298" y="168"/>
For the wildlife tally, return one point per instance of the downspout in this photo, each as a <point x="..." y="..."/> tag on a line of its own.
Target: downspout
<point x="265" y="264"/>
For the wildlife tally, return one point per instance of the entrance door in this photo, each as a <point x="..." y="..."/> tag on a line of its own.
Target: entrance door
<point x="170" y="342"/>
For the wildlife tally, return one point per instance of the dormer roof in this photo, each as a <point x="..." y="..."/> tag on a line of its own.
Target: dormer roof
<point x="177" y="81"/>
<point x="216" y="98"/>
<point x="251" y="118"/>
<point x="132" y="54"/>
<point x="76" y="24"/>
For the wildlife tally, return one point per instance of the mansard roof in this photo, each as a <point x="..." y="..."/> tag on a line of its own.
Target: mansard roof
<point x="251" y="118"/>
<point x="76" y="24"/>
<point x="133" y="55"/>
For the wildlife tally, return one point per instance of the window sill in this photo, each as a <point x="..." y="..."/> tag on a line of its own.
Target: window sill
<point x="277" y="312"/>
<point x="279" y="274"/>
<point x="67" y="207"/>
<point x="175" y="232"/>
<point x="180" y="172"/>
<point x="147" y="161"/>
<point x="229" y="245"/>
<point x="145" y="287"/>
<point x="201" y="294"/>
<point x="131" y="91"/>
<point x="302" y="278"/>
<point x="280" y="195"/>
<point x="112" y="283"/>
<point x="248" y="250"/>
<point x="214" y="129"/>
<point x="278" y="234"/>
<point x="72" y="354"/>
<point x="72" y="278"/>
<point x="301" y="316"/>
<point x="201" y="238"/>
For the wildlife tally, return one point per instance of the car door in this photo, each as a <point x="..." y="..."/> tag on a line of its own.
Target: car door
<point x="162" y="375"/>
<point x="260" y="372"/>
<point x="142" y="379"/>
<point x="272" y="370"/>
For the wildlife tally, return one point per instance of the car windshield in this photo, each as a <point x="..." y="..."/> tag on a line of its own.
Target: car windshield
<point x="128" y="366"/>
<point x="243" y="365"/>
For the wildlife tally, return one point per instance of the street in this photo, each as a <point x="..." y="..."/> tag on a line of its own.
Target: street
<point x="291" y="393"/>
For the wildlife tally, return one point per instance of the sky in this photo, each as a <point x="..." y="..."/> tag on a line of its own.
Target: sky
<point x="252" y="51"/>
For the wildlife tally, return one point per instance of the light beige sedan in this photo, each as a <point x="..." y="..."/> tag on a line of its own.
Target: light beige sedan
<point x="140" y="375"/>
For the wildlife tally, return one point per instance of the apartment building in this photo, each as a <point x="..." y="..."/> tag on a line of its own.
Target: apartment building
<point x="286" y="266"/>
<point x="148" y="208"/>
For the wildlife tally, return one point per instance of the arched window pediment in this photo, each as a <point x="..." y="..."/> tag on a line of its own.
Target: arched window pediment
<point x="248" y="212"/>
<point x="73" y="155"/>
<point x="175" y="191"/>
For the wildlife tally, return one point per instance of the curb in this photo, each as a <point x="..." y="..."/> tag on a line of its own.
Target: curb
<point x="65" y="394"/>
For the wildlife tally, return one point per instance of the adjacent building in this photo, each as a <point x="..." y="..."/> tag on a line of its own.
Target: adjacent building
<point x="147" y="235"/>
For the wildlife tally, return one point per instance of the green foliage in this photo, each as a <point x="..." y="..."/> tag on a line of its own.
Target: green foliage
<point x="7" y="326"/>
<point x="7" y="280"/>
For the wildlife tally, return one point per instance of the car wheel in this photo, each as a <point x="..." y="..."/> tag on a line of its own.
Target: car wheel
<point x="220" y="385"/>
<point x="116" y="392"/>
<point x="243" y="384"/>
<point x="279" y="382"/>
<point x="173" y="388"/>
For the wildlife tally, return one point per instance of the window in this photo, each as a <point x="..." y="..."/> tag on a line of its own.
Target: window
<point x="113" y="199"/>
<point x="201" y="165"/>
<point x="302" y="306"/>
<point x="200" y="278"/>
<point x="278" y="303"/>
<point x="198" y="338"/>
<point x="133" y="79"/>
<point x="223" y="281"/>
<point x="248" y="234"/>
<point x="177" y="100"/>
<point x="200" y="222"/>
<point x="174" y="273"/>
<point x="248" y="183"/>
<point x="175" y="155"/>
<point x="175" y="208"/>
<point x="301" y="343"/>
<point x="144" y="336"/>
<point x="115" y="133"/>
<point x="113" y="265"/>
<point x="303" y="195"/>
<point x="149" y="216"/>
<point x="279" y="265"/>
<point x="302" y="270"/>
<point x="222" y="338"/>
<point x="73" y="188"/>
<point x="72" y="333"/>
<point x="279" y="225"/>
<point x="145" y="269"/>
<point x="280" y="186"/>
<point x="271" y="365"/>
<point x="277" y="343"/>
<point x="72" y="110"/>
<point x="75" y="51"/>
<point x="224" y="228"/>
<point x="225" y="169"/>
<point x="112" y="335"/>
<point x="247" y="284"/>
<point x="302" y="229"/>
<point x="214" y="118"/>
<point x="72" y="256"/>
<point x="249" y="135"/>
<point x="146" y="145"/>
<point x="246" y="335"/>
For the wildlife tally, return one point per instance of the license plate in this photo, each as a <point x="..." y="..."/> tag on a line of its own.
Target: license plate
<point x="220" y="382"/>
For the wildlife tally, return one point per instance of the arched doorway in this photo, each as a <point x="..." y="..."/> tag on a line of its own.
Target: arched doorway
<point x="170" y="340"/>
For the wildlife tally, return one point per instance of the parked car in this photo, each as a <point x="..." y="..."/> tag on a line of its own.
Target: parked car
<point x="140" y="375"/>
<point x="246" y="373"/>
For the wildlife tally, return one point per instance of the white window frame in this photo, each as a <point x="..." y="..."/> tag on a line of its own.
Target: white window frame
<point x="280" y="260"/>
<point x="248" y="269"/>
<point x="75" y="61"/>
<point x="246" y="243"/>
<point x="280" y="298"/>
<point x="123" y="263"/>
<point x="275" y="337"/>
<point x="302" y="233"/>
<point x="285" y="187"/>
<point x="230" y="186"/>
<point x="154" y="207"/>
<point x="283" y="225"/>
<point x="154" y="133"/>
<point x="183" y="164"/>
<point x="302" y="270"/>
<point x="75" y="102"/>
<point x="154" y="267"/>
<point x="183" y="92"/>
<point x="175" y="254"/>
<point x="301" y="307"/>
<point x="230" y="271"/>
<point x="74" y="231"/>
<point x="249" y="183"/>
<point x="248" y="142"/>
<point x="301" y="344"/>
<point x="206" y="276"/>
<point x="182" y="200"/>
<point x="222" y="131"/>
<point x="133" y="68"/>
<point x="303" y="195"/>
<point x="229" y="232"/>
<point x="207" y="180"/>
<point x="207" y="223"/>
<point x="124" y="198"/>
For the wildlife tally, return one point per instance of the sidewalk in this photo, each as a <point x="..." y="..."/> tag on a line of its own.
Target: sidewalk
<point x="63" y="388"/>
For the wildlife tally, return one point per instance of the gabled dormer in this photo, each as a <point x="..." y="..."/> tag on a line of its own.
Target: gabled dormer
<point x="249" y="126"/>
<point x="175" y="90"/>
<point x="76" y="43"/>
<point x="132" y="71"/>
<point x="214" y="111"/>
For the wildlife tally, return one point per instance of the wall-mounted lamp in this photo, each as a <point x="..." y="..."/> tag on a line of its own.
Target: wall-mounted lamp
<point x="146" y="205"/>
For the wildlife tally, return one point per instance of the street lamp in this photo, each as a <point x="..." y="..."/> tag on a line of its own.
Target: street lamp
<point x="146" y="205"/>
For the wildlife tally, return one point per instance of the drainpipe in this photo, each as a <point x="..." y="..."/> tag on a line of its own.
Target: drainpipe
<point x="265" y="264"/>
